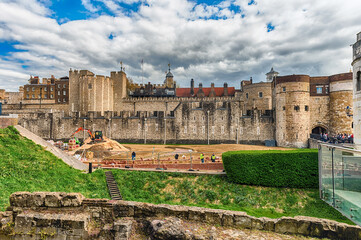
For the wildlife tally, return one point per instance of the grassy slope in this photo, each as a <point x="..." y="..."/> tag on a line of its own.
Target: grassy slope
<point x="217" y="192"/>
<point x="25" y="166"/>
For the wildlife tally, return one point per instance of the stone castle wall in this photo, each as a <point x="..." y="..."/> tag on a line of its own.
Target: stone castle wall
<point x="189" y="124"/>
<point x="320" y="112"/>
<point x="43" y="215"/>
<point x="254" y="100"/>
<point x="287" y="110"/>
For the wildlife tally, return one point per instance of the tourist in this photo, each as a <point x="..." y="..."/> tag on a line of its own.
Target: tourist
<point x="133" y="156"/>
<point x="202" y="157"/>
<point x="176" y="156"/>
<point x="213" y="158"/>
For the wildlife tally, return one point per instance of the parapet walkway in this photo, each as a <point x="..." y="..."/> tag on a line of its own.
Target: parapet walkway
<point x="71" y="161"/>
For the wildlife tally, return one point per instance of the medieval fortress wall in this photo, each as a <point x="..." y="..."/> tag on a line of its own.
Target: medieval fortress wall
<point x="285" y="109"/>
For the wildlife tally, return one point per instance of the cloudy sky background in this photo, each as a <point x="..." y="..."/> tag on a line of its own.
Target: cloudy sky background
<point x="210" y="41"/>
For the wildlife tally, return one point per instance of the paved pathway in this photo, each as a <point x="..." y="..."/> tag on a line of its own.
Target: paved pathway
<point x="71" y="161"/>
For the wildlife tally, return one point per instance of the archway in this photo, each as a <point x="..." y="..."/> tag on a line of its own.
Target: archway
<point x="318" y="130"/>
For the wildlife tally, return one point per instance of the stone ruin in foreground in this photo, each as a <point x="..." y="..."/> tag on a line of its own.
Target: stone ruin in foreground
<point x="44" y="215"/>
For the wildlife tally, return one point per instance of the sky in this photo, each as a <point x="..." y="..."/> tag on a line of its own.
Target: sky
<point x="209" y="41"/>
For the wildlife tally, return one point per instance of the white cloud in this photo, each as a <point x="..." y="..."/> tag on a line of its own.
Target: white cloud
<point x="310" y="37"/>
<point x="89" y="6"/>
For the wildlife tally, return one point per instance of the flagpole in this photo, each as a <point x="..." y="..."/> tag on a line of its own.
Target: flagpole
<point x="142" y="71"/>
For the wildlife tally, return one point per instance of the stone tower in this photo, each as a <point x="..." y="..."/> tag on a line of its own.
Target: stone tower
<point x="74" y="91"/>
<point x="119" y="80"/>
<point x="356" y="65"/>
<point x="271" y="74"/>
<point x="340" y="101"/>
<point x="292" y="103"/>
<point x="169" y="82"/>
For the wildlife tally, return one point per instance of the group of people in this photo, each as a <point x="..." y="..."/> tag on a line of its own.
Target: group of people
<point x="213" y="157"/>
<point x="339" y="138"/>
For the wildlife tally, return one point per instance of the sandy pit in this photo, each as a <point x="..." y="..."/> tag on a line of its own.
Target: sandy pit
<point x="110" y="149"/>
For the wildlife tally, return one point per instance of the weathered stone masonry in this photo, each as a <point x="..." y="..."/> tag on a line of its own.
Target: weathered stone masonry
<point x="287" y="110"/>
<point x="71" y="216"/>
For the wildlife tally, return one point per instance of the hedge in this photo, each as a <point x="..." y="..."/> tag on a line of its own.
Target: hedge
<point x="273" y="168"/>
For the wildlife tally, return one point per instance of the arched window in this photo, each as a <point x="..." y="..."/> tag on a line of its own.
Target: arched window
<point x="358" y="81"/>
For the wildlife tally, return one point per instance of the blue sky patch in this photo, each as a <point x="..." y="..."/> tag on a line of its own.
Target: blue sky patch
<point x="6" y="48"/>
<point x="270" y="27"/>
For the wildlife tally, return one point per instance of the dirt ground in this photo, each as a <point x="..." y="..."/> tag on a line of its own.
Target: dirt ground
<point x="219" y="148"/>
<point x="110" y="149"/>
<point x="151" y="151"/>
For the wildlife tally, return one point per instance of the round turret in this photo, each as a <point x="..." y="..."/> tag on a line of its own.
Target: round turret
<point x="292" y="104"/>
<point x="340" y="101"/>
<point x="356" y="65"/>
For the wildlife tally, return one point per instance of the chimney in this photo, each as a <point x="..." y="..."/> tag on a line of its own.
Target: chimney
<point x="251" y="80"/>
<point x="225" y="91"/>
<point x="200" y="92"/>
<point x="212" y="93"/>
<point x="192" y="87"/>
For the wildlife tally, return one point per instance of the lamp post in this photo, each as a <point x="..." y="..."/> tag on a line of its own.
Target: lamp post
<point x="165" y="131"/>
<point x="208" y="127"/>
<point x="41" y="90"/>
<point x="84" y="130"/>
<point x="145" y="130"/>
<point x="237" y="129"/>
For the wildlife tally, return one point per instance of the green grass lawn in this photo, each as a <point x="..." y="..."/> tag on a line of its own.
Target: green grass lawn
<point x="25" y="166"/>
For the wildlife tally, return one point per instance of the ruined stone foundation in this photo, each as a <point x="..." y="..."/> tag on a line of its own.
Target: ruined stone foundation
<point x="43" y="215"/>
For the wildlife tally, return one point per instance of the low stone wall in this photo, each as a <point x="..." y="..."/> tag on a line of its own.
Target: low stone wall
<point x="313" y="143"/>
<point x="8" y="120"/>
<point x="71" y="216"/>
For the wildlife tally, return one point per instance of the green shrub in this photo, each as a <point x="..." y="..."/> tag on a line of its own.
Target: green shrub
<point x="273" y="168"/>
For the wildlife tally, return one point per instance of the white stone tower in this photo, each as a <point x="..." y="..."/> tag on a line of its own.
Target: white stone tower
<point x="356" y="65"/>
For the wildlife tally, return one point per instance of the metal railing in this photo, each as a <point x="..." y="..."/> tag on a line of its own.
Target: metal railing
<point x="340" y="179"/>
